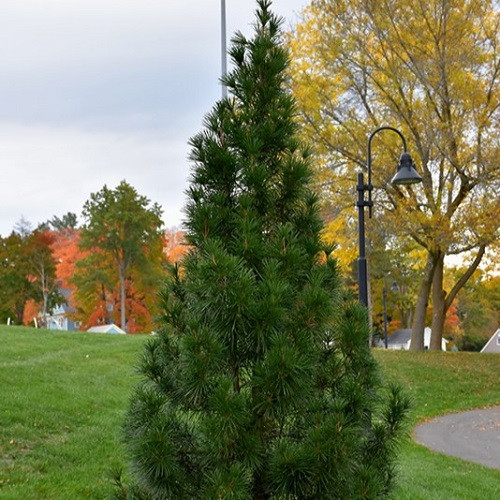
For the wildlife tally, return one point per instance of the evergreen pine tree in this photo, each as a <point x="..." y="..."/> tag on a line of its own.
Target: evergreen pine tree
<point x="260" y="383"/>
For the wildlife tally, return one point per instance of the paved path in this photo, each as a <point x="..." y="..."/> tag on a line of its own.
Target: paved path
<point x="472" y="435"/>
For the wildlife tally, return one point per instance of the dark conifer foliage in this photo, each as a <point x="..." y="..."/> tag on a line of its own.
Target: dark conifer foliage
<point x="260" y="384"/>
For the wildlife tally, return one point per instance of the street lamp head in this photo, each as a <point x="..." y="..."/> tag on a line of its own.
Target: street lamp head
<point x="406" y="173"/>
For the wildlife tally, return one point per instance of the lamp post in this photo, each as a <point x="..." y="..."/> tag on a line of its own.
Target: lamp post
<point x="405" y="175"/>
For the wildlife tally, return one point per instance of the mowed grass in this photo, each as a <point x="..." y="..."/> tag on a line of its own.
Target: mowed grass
<point x="63" y="397"/>
<point x="62" y="400"/>
<point x="441" y="383"/>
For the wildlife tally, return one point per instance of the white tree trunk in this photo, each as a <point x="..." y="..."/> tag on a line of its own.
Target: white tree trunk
<point x="122" y="299"/>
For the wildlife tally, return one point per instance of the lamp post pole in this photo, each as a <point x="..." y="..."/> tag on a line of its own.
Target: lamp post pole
<point x="405" y="175"/>
<point x="362" y="268"/>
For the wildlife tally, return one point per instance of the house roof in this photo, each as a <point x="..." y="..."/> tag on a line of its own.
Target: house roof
<point x="65" y="305"/>
<point x="400" y="337"/>
<point x="106" y="329"/>
<point x="493" y="345"/>
<point x="66" y="293"/>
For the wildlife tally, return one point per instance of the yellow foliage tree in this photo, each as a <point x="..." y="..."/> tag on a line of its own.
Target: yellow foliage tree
<point x="431" y="68"/>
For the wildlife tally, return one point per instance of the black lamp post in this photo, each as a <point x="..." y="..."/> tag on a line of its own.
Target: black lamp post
<point x="405" y="175"/>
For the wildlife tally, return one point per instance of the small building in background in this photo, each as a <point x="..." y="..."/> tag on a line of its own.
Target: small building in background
<point x="401" y="340"/>
<point x="60" y="317"/>
<point x="115" y="329"/>
<point x="493" y="345"/>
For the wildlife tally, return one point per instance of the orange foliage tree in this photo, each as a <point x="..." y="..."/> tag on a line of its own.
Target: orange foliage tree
<point x="66" y="252"/>
<point x="174" y="245"/>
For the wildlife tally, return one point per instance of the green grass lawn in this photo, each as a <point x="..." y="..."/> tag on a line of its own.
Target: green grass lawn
<point x="62" y="400"/>
<point x="442" y="383"/>
<point x="63" y="396"/>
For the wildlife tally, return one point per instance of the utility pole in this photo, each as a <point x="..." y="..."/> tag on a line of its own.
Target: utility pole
<point x="223" y="45"/>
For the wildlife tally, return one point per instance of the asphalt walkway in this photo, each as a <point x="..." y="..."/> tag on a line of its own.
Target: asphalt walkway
<point x="471" y="435"/>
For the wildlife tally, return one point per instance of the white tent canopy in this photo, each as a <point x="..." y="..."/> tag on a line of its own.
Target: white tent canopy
<point x="107" y="329"/>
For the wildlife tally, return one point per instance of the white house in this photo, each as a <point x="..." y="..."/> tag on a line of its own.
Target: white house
<point x="401" y="339"/>
<point x="60" y="316"/>
<point x="493" y="345"/>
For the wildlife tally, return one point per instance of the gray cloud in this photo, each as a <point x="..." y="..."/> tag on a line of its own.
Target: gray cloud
<point x="96" y="91"/>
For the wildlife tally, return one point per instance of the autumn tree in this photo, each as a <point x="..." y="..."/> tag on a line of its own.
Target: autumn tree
<point x="399" y="277"/>
<point x="478" y="309"/>
<point x="66" y="251"/>
<point x="174" y="245"/>
<point x="430" y="68"/>
<point x="260" y="384"/>
<point x="15" y="286"/>
<point x="95" y="283"/>
<point x="27" y="272"/>
<point x="122" y="233"/>
<point x="42" y="268"/>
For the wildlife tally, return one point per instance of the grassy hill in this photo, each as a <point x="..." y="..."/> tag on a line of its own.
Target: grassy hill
<point x="63" y="397"/>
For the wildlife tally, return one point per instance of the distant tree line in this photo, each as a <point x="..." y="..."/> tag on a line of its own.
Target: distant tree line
<point x="110" y="267"/>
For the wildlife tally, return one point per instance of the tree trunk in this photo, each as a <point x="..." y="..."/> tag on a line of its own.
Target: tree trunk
<point x="417" y="332"/>
<point x="45" y="296"/>
<point x="19" y="314"/>
<point x="122" y="299"/>
<point x="438" y="305"/>
<point x="405" y="317"/>
<point x="44" y="309"/>
<point x="107" y="312"/>
<point x="442" y="301"/>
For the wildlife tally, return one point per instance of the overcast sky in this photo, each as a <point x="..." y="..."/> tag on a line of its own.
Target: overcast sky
<point x="96" y="91"/>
